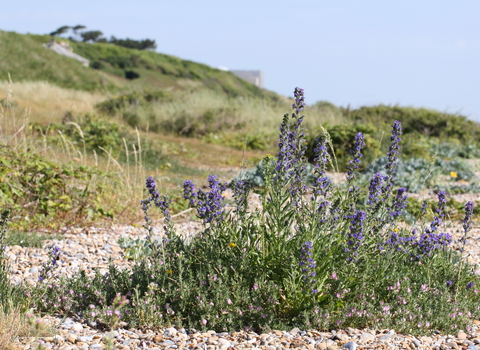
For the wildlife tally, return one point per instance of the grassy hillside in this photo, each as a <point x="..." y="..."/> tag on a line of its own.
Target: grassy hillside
<point x="25" y="58"/>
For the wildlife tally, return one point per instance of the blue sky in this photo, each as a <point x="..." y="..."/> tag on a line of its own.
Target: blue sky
<point x="413" y="53"/>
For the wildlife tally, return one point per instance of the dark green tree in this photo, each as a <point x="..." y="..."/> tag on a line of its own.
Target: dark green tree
<point x="93" y="35"/>
<point x="60" y="31"/>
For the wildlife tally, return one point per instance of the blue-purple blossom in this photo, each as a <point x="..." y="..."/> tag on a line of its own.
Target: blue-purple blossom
<point x="290" y="168"/>
<point x="161" y="202"/>
<point x="399" y="203"/>
<point x="240" y="195"/>
<point x="189" y="192"/>
<point x="299" y="100"/>
<point x="467" y="221"/>
<point x="438" y="218"/>
<point x="308" y="265"/>
<point x="469" y="285"/>
<point x="375" y="189"/>
<point x="429" y="242"/>
<point x="356" y="153"/>
<point x="397" y="243"/>
<point x="355" y="233"/>
<point x="423" y="209"/>
<point x="51" y="264"/>
<point x="392" y="154"/>
<point x="210" y="205"/>
<point x="321" y="183"/>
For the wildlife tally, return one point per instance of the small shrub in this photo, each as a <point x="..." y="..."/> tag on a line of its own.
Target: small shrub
<point x="343" y="137"/>
<point x="130" y="75"/>
<point x="47" y="194"/>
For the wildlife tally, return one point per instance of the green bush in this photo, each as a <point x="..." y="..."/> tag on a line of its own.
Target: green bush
<point x="44" y="193"/>
<point x="421" y="121"/>
<point x="343" y="137"/>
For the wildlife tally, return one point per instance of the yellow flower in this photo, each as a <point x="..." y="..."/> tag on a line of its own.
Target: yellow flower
<point x="231" y="245"/>
<point x="453" y="174"/>
<point x="169" y="271"/>
<point x="396" y="229"/>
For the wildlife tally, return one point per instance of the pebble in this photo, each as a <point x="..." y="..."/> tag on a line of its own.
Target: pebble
<point x="351" y="345"/>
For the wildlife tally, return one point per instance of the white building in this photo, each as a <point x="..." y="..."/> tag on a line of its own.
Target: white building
<point x="256" y="77"/>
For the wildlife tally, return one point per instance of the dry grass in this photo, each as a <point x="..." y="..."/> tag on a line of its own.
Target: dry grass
<point x="205" y="111"/>
<point x="13" y="326"/>
<point x="17" y="133"/>
<point x="48" y="103"/>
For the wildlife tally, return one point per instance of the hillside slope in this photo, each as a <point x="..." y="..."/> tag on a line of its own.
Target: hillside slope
<point x="25" y="58"/>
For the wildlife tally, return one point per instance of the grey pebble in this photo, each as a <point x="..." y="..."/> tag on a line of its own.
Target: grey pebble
<point x="417" y="343"/>
<point x="351" y="345"/>
<point x="473" y="347"/>
<point x="96" y="347"/>
<point x="367" y="336"/>
<point x="341" y="336"/>
<point x="224" y="342"/>
<point x="129" y="342"/>
<point x="68" y="323"/>
<point x="86" y="338"/>
<point x="294" y="330"/>
<point x="170" y="332"/>
<point x="33" y="270"/>
<point x="386" y="337"/>
<point x="107" y="247"/>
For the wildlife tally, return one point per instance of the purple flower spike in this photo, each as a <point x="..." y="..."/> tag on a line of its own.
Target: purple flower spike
<point x="321" y="183"/>
<point x="290" y="168"/>
<point x="308" y="265"/>
<point x="375" y="189"/>
<point x="399" y="203"/>
<point x="438" y="219"/>
<point x="467" y="221"/>
<point x="356" y="153"/>
<point x="355" y="234"/>
<point x="240" y="195"/>
<point x="161" y="202"/>
<point x="210" y="205"/>
<point x="392" y="154"/>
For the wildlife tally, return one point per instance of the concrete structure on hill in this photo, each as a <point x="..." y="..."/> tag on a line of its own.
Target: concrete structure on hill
<point x="255" y="77"/>
<point x="63" y="48"/>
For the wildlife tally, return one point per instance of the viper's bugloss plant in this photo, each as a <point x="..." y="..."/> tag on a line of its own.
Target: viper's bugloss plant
<point x="318" y="256"/>
<point x="356" y="153"/>
<point x="48" y="268"/>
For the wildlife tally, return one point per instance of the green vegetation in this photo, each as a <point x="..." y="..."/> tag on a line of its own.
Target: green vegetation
<point x="159" y="115"/>
<point x="332" y="257"/>
<point x="25" y="58"/>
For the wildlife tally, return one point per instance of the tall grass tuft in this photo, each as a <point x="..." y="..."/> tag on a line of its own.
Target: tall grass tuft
<point x="50" y="178"/>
